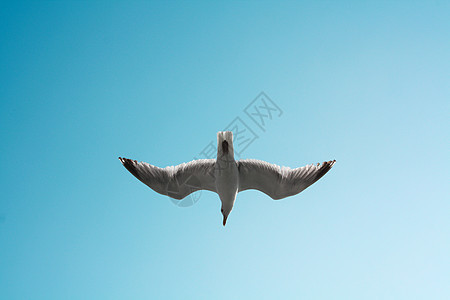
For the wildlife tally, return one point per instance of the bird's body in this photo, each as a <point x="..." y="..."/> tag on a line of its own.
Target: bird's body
<point x="226" y="176"/>
<point x="226" y="173"/>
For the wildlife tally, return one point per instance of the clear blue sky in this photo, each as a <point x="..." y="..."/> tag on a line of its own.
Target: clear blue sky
<point x="364" y="82"/>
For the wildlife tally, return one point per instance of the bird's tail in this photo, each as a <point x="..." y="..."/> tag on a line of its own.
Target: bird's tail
<point x="225" y="143"/>
<point x="224" y="136"/>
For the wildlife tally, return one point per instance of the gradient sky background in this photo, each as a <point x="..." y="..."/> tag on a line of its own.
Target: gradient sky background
<point x="365" y="83"/>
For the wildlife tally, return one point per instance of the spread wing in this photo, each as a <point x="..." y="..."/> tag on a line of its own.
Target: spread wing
<point x="278" y="182"/>
<point x="175" y="181"/>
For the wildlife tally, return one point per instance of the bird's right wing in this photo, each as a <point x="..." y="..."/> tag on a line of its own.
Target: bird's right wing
<point x="176" y="181"/>
<point x="278" y="182"/>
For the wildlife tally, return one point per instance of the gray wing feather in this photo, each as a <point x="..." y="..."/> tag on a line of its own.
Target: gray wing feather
<point x="278" y="182"/>
<point x="175" y="181"/>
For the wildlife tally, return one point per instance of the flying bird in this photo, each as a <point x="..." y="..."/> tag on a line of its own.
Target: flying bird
<point x="226" y="176"/>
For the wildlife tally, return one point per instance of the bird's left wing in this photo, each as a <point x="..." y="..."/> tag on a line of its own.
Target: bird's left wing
<point x="175" y="181"/>
<point x="278" y="182"/>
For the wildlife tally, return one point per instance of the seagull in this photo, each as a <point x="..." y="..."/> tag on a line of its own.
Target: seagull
<point x="226" y="176"/>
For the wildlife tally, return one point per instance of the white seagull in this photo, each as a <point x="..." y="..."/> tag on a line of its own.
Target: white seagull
<point x="226" y="177"/>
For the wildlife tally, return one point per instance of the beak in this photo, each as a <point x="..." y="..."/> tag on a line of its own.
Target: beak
<point x="224" y="220"/>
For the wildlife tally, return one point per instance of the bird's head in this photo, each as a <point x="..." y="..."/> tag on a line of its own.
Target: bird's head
<point x="225" y="212"/>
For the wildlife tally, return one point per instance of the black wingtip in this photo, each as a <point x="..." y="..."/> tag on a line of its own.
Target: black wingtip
<point x="326" y="166"/>
<point x="129" y="164"/>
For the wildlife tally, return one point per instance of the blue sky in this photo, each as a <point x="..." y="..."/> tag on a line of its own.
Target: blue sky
<point x="364" y="82"/>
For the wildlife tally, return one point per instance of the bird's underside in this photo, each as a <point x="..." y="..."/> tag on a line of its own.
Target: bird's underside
<point x="179" y="181"/>
<point x="226" y="177"/>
